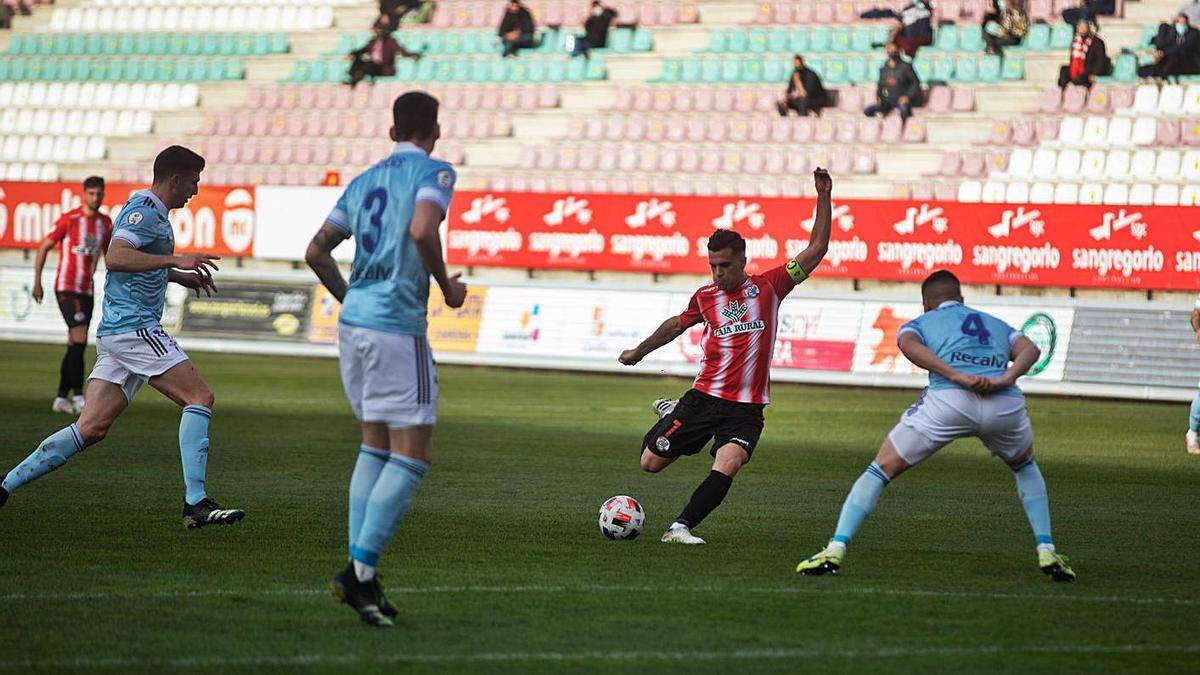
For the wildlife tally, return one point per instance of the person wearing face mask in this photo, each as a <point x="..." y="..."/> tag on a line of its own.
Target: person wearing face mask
<point x="1176" y="50"/>
<point x="1089" y="59"/>
<point x="915" y="29"/>
<point x="898" y="86"/>
<point x="595" y="29"/>
<point x="805" y="92"/>
<point x="1004" y="25"/>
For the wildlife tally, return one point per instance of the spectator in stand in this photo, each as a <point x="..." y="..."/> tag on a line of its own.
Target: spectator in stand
<point x="1088" y="10"/>
<point x="1089" y="58"/>
<point x="393" y="12"/>
<point x="377" y="58"/>
<point x="516" y="28"/>
<point x="1192" y="12"/>
<point x="595" y="29"/>
<point x="1176" y="50"/>
<point x="805" y="92"/>
<point x="1004" y="25"/>
<point x="6" y="15"/>
<point x="915" y="28"/>
<point x="898" y="88"/>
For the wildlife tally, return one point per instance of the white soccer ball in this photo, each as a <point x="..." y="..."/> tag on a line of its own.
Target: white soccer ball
<point x="621" y="517"/>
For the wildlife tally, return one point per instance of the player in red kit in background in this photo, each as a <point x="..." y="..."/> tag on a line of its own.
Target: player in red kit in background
<point x="84" y="233"/>
<point x="740" y="313"/>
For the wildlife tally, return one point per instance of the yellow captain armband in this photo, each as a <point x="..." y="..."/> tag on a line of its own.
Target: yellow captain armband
<point x="796" y="272"/>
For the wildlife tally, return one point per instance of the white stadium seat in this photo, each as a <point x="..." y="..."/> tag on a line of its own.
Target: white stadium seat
<point x="1045" y="161"/>
<point x="1116" y="193"/>
<point x="993" y="192"/>
<point x="78" y="151"/>
<point x="1017" y="193"/>
<point x="1020" y="163"/>
<point x="1141" y="194"/>
<point x="1170" y="100"/>
<point x="6" y="94"/>
<point x="1145" y="99"/>
<point x="1190" y="196"/>
<point x="1068" y="164"/>
<point x="1091" y="193"/>
<point x="54" y="94"/>
<point x="1092" y="164"/>
<point x="970" y="191"/>
<point x="1119" y="131"/>
<point x="1066" y="193"/>
<point x="1145" y="131"/>
<point x="1191" y="100"/>
<point x="30" y="172"/>
<point x="1070" y="132"/>
<point x="95" y="148"/>
<point x="1116" y="165"/>
<point x="37" y="94"/>
<point x="1142" y="164"/>
<point x="1190" y="168"/>
<point x="1095" y="132"/>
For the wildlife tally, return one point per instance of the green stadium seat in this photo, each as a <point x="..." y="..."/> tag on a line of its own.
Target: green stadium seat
<point x="556" y="71"/>
<point x="672" y="70"/>
<point x="881" y="33"/>
<point x="923" y="66"/>
<point x="158" y="43"/>
<point x="1037" y="39"/>
<point x="77" y="43"/>
<point x="83" y="70"/>
<point x="425" y="69"/>
<point x="257" y="44"/>
<point x="752" y="71"/>
<point x="500" y="69"/>
<point x="718" y="41"/>
<point x="1125" y="68"/>
<point x="5" y="69"/>
<point x="1061" y="36"/>
<point x="776" y="69"/>
<point x="460" y="70"/>
<point x="820" y="39"/>
<point x="970" y="38"/>
<point x="46" y="69"/>
<point x="991" y="68"/>
<point x="943" y="68"/>
<point x="739" y="41"/>
<point x="707" y="69"/>
<point x="16" y="43"/>
<point x="777" y="40"/>
<point x="643" y="41"/>
<point x="193" y="44"/>
<point x="798" y="40"/>
<point x="279" y="43"/>
<point x="596" y="68"/>
<point x="234" y="69"/>
<point x="856" y="71"/>
<point x="861" y="39"/>
<point x="966" y="68"/>
<point x="621" y="41"/>
<point x="835" y="70"/>
<point x="406" y="69"/>
<point x="1148" y="33"/>
<point x="1013" y="67"/>
<point x="731" y="70"/>
<point x="227" y="44"/>
<point x="44" y="45"/>
<point x="759" y="39"/>
<point x="947" y="38"/>
<point x="840" y="40"/>
<point x="536" y="71"/>
<point x="577" y="70"/>
<point x="816" y="64"/>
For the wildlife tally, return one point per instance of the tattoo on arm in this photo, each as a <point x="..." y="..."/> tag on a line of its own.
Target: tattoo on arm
<point x="320" y="258"/>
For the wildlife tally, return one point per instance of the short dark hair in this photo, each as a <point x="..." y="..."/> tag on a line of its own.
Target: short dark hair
<point x="723" y="239"/>
<point x="941" y="285"/>
<point x="175" y="161"/>
<point x="93" y="182"/>
<point x="415" y="115"/>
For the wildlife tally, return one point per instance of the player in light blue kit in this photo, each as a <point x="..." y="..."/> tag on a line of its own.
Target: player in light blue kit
<point x="133" y="349"/>
<point x="974" y="360"/>
<point x="1193" y="444"/>
<point x="393" y="211"/>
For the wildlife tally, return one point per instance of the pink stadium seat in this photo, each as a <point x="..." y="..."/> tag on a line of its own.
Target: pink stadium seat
<point x="1099" y="101"/>
<point x="825" y="130"/>
<point x="717" y="130"/>
<point x="711" y="162"/>
<point x="921" y="191"/>
<point x="753" y="161"/>
<point x="668" y="161"/>
<point x="939" y="100"/>
<point x="1074" y="100"/>
<point x="850" y="100"/>
<point x="945" y="192"/>
<point x="1122" y="97"/>
<point x="846" y="131"/>
<point x="1050" y="100"/>
<point x="682" y="99"/>
<point x="950" y="10"/>
<point x="893" y="129"/>
<point x="1046" y="129"/>
<point x="951" y="164"/>
<point x="744" y="100"/>
<point x="765" y="13"/>
<point x="996" y="161"/>
<point x="661" y="100"/>
<point x="303" y="154"/>
<point x="260" y="123"/>
<point x="803" y="130"/>
<point x="963" y="99"/>
<point x="647" y="14"/>
<point x="914" y="131"/>
<point x="799" y="162"/>
<point x="254" y="98"/>
<point x="803" y="13"/>
<point x="668" y="14"/>
<point x="1001" y="133"/>
<point x="703" y="100"/>
<point x="285" y="153"/>
<point x="635" y="128"/>
<point x="723" y="100"/>
<point x="973" y="164"/>
<point x="760" y="130"/>
<point x="765" y="98"/>
<point x="689" y="160"/>
<point x="973" y="10"/>
<point x="776" y="161"/>
<point x="844" y="13"/>
<point x="672" y="129"/>
<point x="781" y="130"/>
<point x="614" y="128"/>
<point x="689" y="13"/>
<point x="902" y="191"/>
<point x="306" y="97"/>
<point x="341" y="97"/>
<point x="548" y="96"/>
<point x="697" y="129"/>
<point x="593" y="129"/>
<point x="1041" y="10"/>
<point x="585" y="159"/>
<point x="823" y="12"/>
<point x="1190" y="133"/>
<point x="321" y="154"/>
<point x="864" y="161"/>
<point x="1169" y="132"/>
<point x="869" y="130"/>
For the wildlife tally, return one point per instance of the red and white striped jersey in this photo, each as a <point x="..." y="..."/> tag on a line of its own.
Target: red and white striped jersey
<point x="83" y="239"/>
<point x="739" y="334"/>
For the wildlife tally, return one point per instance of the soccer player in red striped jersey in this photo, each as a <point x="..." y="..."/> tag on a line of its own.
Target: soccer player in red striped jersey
<point x="82" y="234"/>
<point x="740" y="313"/>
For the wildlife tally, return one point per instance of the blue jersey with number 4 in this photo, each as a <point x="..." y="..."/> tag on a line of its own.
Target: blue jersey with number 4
<point x="968" y="340"/>
<point x="389" y="285"/>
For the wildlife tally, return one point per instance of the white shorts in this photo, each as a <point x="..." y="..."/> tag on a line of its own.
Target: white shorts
<point x="388" y="377"/>
<point x="128" y="360"/>
<point x="944" y="415"/>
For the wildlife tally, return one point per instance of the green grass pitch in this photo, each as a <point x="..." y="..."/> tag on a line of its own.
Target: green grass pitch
<point x="499" y="566"/>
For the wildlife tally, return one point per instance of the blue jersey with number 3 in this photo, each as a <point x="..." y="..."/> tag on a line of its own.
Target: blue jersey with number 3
<point x="389" y="285"/>
<point x="968" y="340"/>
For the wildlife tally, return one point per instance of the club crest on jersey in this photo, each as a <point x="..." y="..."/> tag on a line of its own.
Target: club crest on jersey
<point x="662" y="444"/>
<point x="752" y="291"/>
<point x="735" y="310"/>
<point x="135" y="217"/>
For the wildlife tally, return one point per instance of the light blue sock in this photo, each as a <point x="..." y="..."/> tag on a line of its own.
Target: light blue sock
<point x="1031" y="488"/>
<point x="366" y="471"/>
<point x="1194" y="416"/>
<point x="860" y="502"/>
<point x="51" y="454"/>
<point x="386" y="506"/>
<point x="193" y="450"/>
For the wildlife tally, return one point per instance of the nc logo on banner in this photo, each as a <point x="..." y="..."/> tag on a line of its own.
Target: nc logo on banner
<point x="487" y="205"/>
<point x="840" y="216"/>
<point x="1115" y="222"/>
<point x="1011" y="221"/>
<point x="732" y="214"/>
<point x="568" y="208"/>
<point x="914" y="218"/>
<point x="649" y="211"/>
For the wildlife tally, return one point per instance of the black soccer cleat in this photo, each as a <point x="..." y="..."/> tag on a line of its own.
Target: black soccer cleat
<point x="385" y="605"/>
<point x="208" y="512"/>
<point x="363" y="596"/>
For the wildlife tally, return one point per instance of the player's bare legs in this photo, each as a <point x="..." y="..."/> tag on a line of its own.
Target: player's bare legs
<point x="105" y="402"/>
<point x="652" y="463"/>
<point x="182" y="384"/>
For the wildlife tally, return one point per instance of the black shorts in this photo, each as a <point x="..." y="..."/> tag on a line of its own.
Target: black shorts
<point x="76" y="309"/>
<point x="698" y="418"/>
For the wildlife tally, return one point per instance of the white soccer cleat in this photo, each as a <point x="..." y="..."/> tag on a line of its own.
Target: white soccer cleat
<point x="62" y="405"/>
<point x="664" y="406"/>
<point x="77" y="404"/>
<point x="1193" y="445"/>
<point x="680" y="534"/>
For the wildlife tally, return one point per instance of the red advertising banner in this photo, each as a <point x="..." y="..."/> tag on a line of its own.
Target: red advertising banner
<point x="1142" y="247"/>
<point x="218" y="220"/>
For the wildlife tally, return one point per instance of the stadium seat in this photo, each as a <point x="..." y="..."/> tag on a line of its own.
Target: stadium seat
<point x="970" y="191"/>
<point x="1145" y="100"/>
<point x="1091" y="164"/>
<point x="1088" y="193"/>
<point x="1141" y="194"/>
<point x="1170" y="100"/>
<point x="1041" y="193"/>
<point x="1017" y="193"/>
<point x="993" y="192"/>
<point x="1066" y="193"/>
<point x="1168" y="165"/>
<point x="1167" y="194"/>
<point x="1116" y="194"/>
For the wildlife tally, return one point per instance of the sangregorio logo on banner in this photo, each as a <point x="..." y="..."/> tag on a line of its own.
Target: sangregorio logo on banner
<point x="1040" y="330"/>
<point x="1012" y="257"/>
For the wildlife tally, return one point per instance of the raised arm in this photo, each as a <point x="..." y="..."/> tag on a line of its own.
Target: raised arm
<point x="319" y="257"/>
<point x="923" y="357"/>
<point x="665" y="334"/>
<point x="818" y="241"/>
<point x="427" y="216"/>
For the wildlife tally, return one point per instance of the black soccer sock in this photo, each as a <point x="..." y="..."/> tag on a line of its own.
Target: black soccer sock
<point x="64" y="373"/>
<point x="708" y="496"/>
<point x="75" y="354"/>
